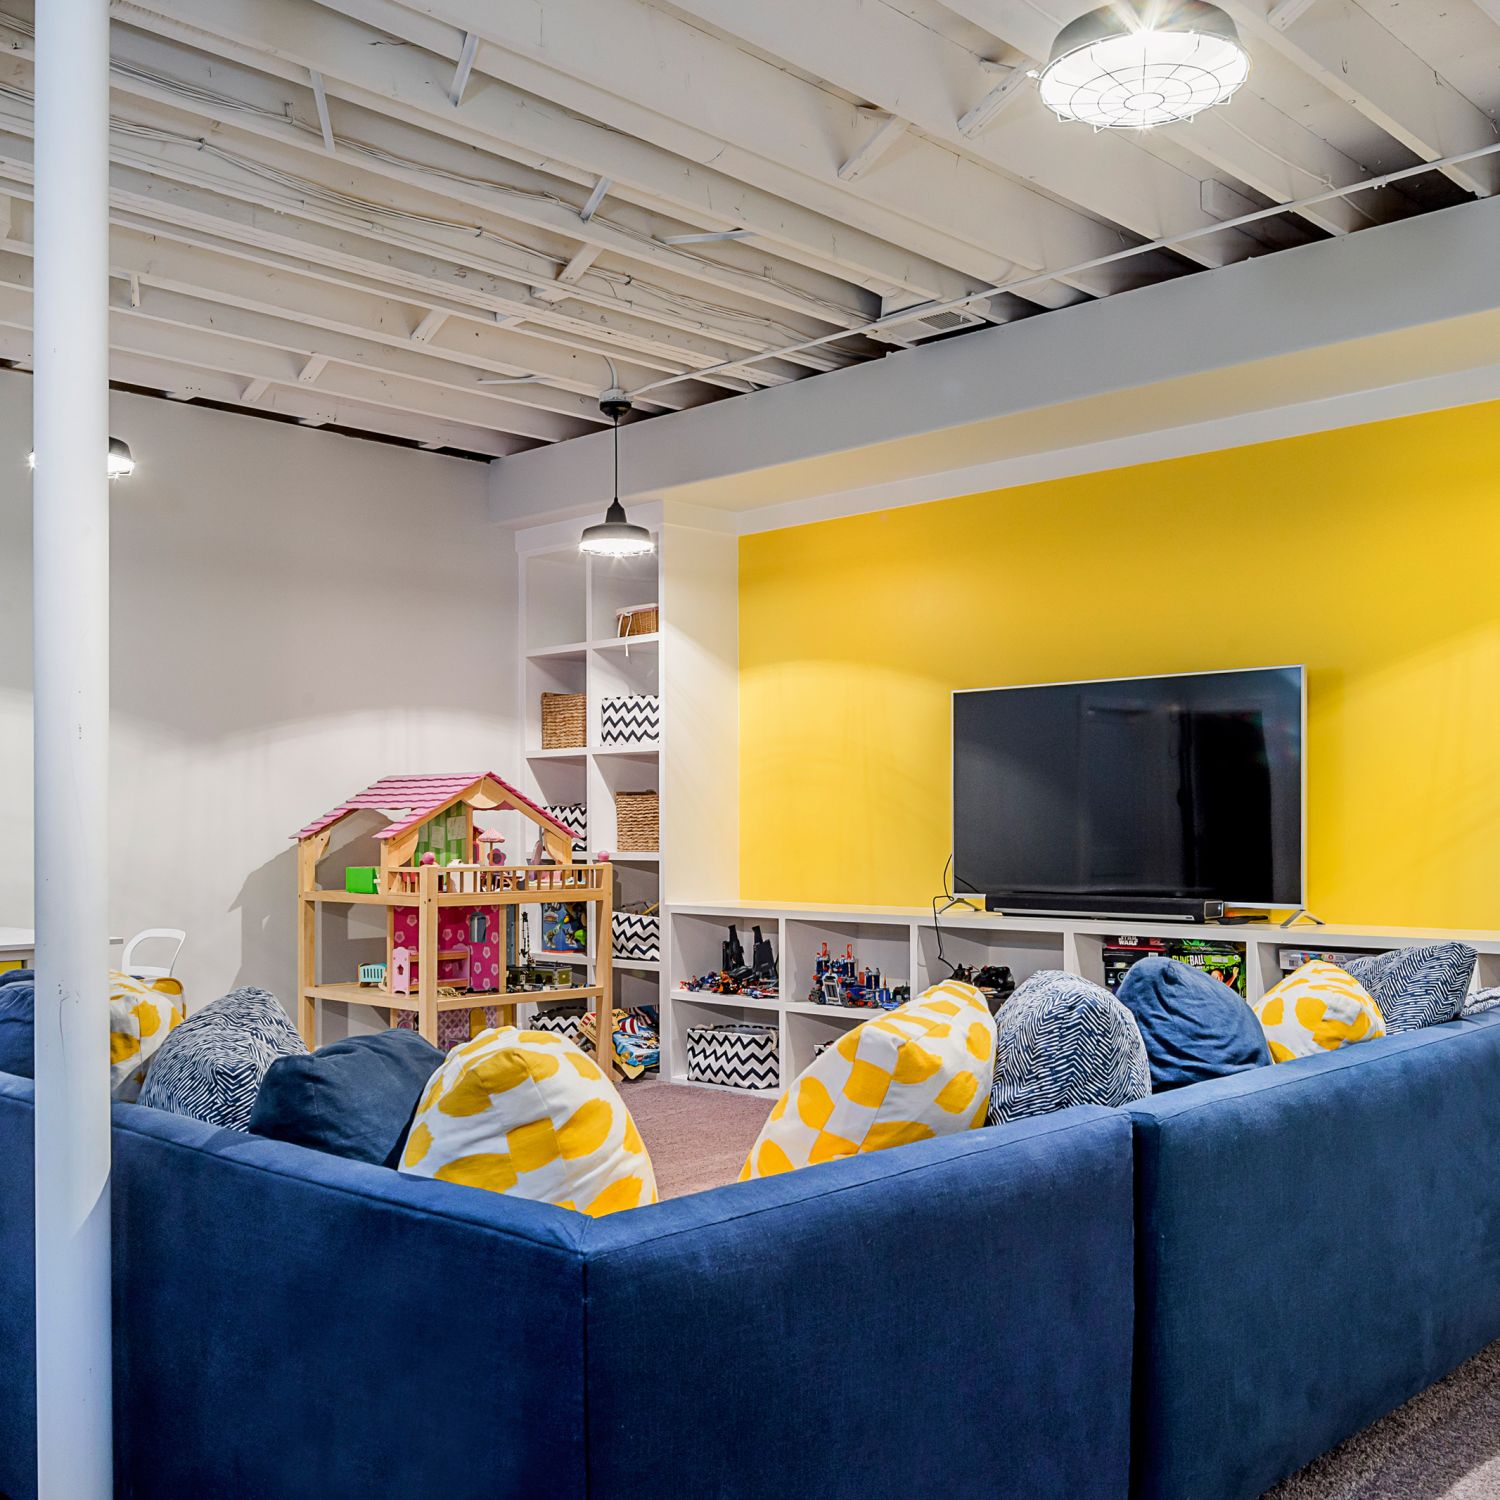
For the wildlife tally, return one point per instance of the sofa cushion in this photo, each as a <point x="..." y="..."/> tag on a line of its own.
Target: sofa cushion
<point x="354" y="1098"/>
<point x="142" y="1013"/>
<point x="1415" y="987"/>
<point x="911" y="1074"/>
<point x="1059" y="1041"/>
<point x="17" y="1001"/>
<point x="1318" y="1008"/>
<point x="530" y="1114"/>
<point x="1194" y="1026"/>
<point x="211" y="1066"/>
<point x="17" y="976"/>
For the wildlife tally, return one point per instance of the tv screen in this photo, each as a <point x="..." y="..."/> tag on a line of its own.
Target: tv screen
<point x="1175" y="787"/>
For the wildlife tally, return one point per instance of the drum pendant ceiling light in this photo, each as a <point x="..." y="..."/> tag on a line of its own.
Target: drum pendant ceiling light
<point x="1138" y="63"/>
<point x="615" y="536"/>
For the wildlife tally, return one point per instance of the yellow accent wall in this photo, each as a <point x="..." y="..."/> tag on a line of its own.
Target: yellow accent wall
<point x="1371" y="555"/>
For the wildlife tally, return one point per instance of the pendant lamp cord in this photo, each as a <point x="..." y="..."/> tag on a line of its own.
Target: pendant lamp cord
<point x="617" y="457"/>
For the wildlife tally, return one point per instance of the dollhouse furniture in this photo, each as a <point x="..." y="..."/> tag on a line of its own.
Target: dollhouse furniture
<point x="450" y="906"/>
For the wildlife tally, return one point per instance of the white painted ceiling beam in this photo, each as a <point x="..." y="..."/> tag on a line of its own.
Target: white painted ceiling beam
<point x="638" y="68"/>
<point x="219" y="204"/>
<point x="902" y="65"/>
<point x="308" y="407"/>
<point x="136" y="332"/>
<point x="405" y="83"/>
<point x="1322" y="304"/>
<point x="1346" y="49"/>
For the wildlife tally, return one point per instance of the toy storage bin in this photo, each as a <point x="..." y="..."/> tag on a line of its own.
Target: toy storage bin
<point x="637" y="937"/>
<point x="639" y="619"/>
<point x="564" y="1020"/>
<point x="637" y="822"/>
<point x="574" y="816"/>
<point x="564" y="721"/>
<point x="738" y="1056"/>
<point x="629" y="719"/>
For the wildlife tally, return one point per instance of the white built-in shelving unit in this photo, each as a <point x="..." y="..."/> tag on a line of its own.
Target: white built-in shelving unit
<point x="568" y="629"/>
<point x="905" y="944"/>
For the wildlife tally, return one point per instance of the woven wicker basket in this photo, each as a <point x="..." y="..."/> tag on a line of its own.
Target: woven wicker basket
<point x="639" y="619"/>
<point x="564" y="718"/>
<point x="638" y="822"/>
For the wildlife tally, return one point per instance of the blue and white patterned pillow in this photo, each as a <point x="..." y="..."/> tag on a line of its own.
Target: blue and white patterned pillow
<point x="211" y="1066"/>
<point x="1416" y="987"/>
<point x="1481" y="1001"/>
<point x="1060" y="1040"/>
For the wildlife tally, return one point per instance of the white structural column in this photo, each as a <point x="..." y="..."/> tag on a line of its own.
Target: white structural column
<point x="70" y="430"/>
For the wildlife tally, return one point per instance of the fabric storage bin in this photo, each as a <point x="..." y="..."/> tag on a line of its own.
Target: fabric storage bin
<point x="562" y="1020"/>
<point x="564" y="721"/>
<point x="639" y="619"/>
<point x="637" y="937"/>
<point x="629" y="719"/>
<point x="574" y="816"/>
<point x="738" y="1056"/>
<point x="637" y="822"/>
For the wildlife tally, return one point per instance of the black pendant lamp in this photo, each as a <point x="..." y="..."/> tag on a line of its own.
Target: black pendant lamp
<point x="615" y="536"/>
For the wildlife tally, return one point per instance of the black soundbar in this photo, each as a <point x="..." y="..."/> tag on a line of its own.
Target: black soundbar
<point x="1157" y="908"/>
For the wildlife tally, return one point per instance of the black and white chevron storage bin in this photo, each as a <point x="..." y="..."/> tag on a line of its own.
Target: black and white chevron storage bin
<point x="574" y="816"/>
<point x="563" y="1019"/>
<point x="630" y="719"/>
<point x="741" y="1057"/>
<point x="637" y="937"/>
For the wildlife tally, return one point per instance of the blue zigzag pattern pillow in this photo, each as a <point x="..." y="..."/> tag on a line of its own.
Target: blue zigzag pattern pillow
<point x="1060" y="1040"/>
<point x="1416" y="987"/>
<point x="210" y="1068"/>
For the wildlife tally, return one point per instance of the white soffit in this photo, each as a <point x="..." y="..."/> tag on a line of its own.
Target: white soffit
<point x="1328" y="335"/>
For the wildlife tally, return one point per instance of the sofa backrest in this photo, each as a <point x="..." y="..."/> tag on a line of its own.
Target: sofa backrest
<point x="915" y="1321"/>
<point x="1316" y="1242"/>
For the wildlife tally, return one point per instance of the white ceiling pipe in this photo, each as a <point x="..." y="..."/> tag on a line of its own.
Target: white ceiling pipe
<point x="70" y="432"/>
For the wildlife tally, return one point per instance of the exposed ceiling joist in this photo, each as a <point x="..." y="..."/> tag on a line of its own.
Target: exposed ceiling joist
<point x="1351" y="54"/>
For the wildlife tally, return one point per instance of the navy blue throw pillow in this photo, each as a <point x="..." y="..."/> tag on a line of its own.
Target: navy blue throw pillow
<point x="1194" y="1026"/>
<point x="17" y="976"/>
<point x="17" y="1005"/>
<point x="354" y="1098"/>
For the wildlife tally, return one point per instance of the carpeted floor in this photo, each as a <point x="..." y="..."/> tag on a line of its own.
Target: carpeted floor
<point x="698" y="1137"/>
<point x="1442" y="1445"/>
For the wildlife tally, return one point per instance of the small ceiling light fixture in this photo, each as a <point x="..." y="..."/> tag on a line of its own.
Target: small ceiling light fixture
<point x="1137" y="63"/>
<point x="615" y="536"/>
<point x="119" y="464"/>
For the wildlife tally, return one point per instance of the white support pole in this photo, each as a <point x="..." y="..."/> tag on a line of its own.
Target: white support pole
<point x="70" y="432"/>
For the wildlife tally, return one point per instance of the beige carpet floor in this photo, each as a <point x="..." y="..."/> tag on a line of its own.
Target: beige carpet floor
<point x="698" y="1137"/>
<point x="1442" y="1445"/>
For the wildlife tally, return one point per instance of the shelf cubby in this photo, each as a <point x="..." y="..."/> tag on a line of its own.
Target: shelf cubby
<point x="1025" y="953"/>
<point x="556" y="612"/>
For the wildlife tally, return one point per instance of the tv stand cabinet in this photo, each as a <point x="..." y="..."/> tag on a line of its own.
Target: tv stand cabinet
<point x="903" y="942"/>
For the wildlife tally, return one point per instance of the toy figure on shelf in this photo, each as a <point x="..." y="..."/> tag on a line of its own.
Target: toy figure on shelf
<point x="840" y="981"/>
<point x="994" y="981"/>
<point x="757" y="980"/>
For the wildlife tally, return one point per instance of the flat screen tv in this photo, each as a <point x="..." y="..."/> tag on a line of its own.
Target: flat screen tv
<point x="1132" y="795"/>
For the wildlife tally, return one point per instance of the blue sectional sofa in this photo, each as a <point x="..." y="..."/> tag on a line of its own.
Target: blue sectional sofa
<point x="952" y="1318"/>
<point x="1315" y="1243"/>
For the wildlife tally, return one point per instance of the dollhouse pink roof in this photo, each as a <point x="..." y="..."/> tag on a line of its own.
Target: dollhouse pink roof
<point x="413" y="799"/>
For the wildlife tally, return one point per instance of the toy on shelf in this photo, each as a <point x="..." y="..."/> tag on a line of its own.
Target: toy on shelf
<point x="454" y="905"/>
<point x="839" y="980"/>
<point x="758" y="980"/>
<point x="994" y="981"/>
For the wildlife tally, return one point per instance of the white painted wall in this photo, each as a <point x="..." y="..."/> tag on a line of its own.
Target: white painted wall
<point x="294" y="614"/>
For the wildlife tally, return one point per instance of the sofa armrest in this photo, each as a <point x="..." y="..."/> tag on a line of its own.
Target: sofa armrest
<point x="1316" y="1242"/>
<point x="948" y="1318"/>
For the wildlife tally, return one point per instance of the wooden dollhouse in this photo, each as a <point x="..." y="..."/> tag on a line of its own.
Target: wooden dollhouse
<point x="451" y="901"/>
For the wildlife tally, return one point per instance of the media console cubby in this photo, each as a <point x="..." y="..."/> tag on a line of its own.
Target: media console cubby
<point x="904" y="944"/>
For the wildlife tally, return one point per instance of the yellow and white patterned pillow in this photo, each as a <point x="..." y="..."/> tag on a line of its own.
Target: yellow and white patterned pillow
<point x="528" y="1113"/>
<point x="919" y="1071"/>
<point x="1318" y="1008"/>
<point x="141" y="1013"/>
